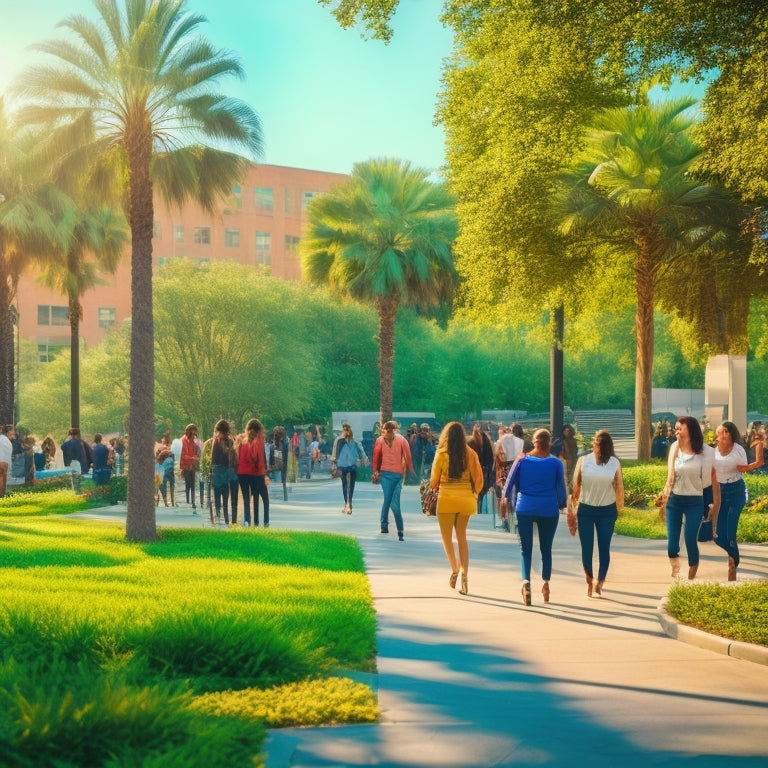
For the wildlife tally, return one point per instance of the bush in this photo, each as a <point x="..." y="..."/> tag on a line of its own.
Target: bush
<point x="643" y="483"/>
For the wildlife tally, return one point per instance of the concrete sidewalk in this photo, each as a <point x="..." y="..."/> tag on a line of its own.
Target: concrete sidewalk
<point x="484" y="681"/>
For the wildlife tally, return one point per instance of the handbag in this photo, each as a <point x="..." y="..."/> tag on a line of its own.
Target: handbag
<point x="428" y="498"/>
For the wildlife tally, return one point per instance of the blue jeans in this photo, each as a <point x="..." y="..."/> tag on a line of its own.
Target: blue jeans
<point x="391" y="484"/>
<point x="600" y="520"/>
<point x="348" y="480"/>
<point x="547" y="525"/>
<point x="692" y="509"/>
<point x="733" y="497"/>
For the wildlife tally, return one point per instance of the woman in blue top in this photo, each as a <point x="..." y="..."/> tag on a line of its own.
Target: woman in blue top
<point x="535" y="489"/>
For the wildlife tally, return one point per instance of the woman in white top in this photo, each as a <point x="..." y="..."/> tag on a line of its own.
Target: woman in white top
<point x="598" y="487"/>
<point x="730" y="462"/>
<point x="691" y="469"/>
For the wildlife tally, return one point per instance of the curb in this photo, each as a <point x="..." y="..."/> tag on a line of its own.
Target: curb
<point x="757" y="654"/>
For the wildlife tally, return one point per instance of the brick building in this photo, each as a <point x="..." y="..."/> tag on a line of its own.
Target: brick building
<point x="260" y="223"/>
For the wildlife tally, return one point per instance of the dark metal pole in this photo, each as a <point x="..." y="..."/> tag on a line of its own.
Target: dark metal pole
<point x="556" y="403"/>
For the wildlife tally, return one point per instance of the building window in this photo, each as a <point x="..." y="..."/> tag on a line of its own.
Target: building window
<point x="202" y="235"/>
<point x="107" y="317"/>
<point x="264" y="198"/>
<point x="232" y="238"/>
<point x="263" y="248"/>
<point x="178" y="234"/>
<point x="48" y="352"/>
<point x="287" y="200"/>
<point x="307" y="197"/>
<point x="291" y="246"/>
<point x="157" y="231"/>
<point x="52" y="315"/>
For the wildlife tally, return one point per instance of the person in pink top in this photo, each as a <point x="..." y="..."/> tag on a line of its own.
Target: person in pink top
<point x="391" y="455"/>
<point x="252" y="473"/>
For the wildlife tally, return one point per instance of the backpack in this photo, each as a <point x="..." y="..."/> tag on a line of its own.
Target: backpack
<point x="275" y="458"/>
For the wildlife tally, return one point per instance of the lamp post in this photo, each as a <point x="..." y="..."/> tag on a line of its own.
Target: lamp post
<point x="17" y="362"/>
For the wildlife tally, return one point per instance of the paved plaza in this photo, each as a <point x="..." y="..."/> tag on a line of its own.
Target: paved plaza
<point x="482" y="680"/>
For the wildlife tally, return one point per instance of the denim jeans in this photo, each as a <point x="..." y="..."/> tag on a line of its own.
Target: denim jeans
<point x="690" y="508"/>
<point x="600" y="520"/>
<point x="547" y="525"/>
<point x="391" y="484"/>
<point x="348" y="480"/>
<point x="733" y="497"/>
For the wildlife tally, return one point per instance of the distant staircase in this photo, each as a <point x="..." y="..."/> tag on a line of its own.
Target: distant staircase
<point x="620" y="423"/>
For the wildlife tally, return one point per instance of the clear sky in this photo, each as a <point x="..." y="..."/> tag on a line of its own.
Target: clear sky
<point x="326" y="97"/>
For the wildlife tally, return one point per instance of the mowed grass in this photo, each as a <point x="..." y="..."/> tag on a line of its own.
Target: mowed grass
<point x="110" y="652"/>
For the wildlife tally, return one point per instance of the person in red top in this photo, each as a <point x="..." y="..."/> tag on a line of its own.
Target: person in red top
<point x="252" y="473"/>
<point x="391" y="456"/>
<point x="189" y="463"/>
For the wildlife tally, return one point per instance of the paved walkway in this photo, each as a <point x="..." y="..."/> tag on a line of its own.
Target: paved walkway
<point x="484" y="681"/>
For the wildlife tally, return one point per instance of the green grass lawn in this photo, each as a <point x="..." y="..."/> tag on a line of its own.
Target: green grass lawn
<point x="175" y="653"/>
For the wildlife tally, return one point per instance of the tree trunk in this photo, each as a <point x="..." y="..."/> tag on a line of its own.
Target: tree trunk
<point x="7" y="351"/>
<point x="645" y="284"/>
<point x="141" y="524"/>
<point x="556" y="400"/>
<point x="387" y="316"/>
<point x="75" y="314"/>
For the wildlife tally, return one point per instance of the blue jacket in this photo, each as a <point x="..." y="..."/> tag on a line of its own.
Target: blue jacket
<point x="536" y="486"/>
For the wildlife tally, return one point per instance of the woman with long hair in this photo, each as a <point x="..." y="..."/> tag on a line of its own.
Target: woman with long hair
<point x="189" y="463"/>
<point x="730" y="462"/>
<point x="691" y="472"/>
<point x="457" y="473"/>
<point x="598" y="489"/>
<point x="480" y="443"/>
<point x="535" y="489"/>
<point x="220" y="464"/>
<point x="252" y="472"/>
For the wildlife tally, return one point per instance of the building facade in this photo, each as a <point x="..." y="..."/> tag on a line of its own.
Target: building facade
<point x="259" y="224"/>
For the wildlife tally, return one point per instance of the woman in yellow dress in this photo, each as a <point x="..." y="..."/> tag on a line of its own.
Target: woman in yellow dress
<point x="457" y="473"/>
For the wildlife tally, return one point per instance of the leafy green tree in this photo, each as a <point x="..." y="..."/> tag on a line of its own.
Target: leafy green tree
<point x="135" y="97"/>
<point x="92" y="244"/>
<point x="631" y="188"/>
<point x="384" y="238"/>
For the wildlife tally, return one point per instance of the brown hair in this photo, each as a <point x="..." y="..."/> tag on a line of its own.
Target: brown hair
<point x="453" y="440"/>
<point x="605" y="445"/>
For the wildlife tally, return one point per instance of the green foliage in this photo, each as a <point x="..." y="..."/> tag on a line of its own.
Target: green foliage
<point x="310" y="702"/>
<point x="640" y="523"/>
<point x="103" y="643"/>
<point x="737" y="612"/>
<point x="643" y="482"/>
<point x="33" y="501"/>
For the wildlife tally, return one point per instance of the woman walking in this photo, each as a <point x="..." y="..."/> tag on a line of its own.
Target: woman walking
<point x="189" y="463"/>
<point x="690" y="472"/>
<point x="252" y="473"/>
<point x="220" y="464"/>
<point x="730" y="462"/>
<point x="535" y="489"/>
<point x="598" y="489"/>
<point x="347" y="455"/>
<point x="457" y="473"/>
<point x="391" y="458"/>
<point x="480" y="443"/>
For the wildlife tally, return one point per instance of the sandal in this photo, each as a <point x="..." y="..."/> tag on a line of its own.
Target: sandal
<point x="452" y="580"/>
<point x="526" y="592"/>
<point x="464" y="587"/>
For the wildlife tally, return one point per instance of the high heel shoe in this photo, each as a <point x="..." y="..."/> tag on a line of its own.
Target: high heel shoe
<point x="589" y="585"/>
<point x="452" y="579"/>
<point x="731" y="569"/>
<point x="599" y="588"/>
<point x="545" y="591"/>
<point x="692" y="572"/>
<point x="675" y="563"/>
<point x="464" y="587"/>
<point x="526" y="592"/>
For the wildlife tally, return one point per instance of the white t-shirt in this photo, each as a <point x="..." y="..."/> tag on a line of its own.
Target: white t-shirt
<point x="597" y="480"/>
<point x="725" y="466"/>
<point x="6" y="449"/>
<point x="511" y="445"/>
<point x="693" y="471"/>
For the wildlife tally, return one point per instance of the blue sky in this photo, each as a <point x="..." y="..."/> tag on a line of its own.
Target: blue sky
<point x="327" y="99"/>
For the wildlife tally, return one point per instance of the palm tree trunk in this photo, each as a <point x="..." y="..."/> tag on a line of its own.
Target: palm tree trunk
<point x="6" y="347"/>
<point x="645" y="285"/>
<point x="75" y="314"/>
<point x="141" y="524"/>
<point x="387" y="315"/>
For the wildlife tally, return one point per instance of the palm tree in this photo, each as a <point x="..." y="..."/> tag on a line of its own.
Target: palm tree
<point x="102" y="235"/>
<point x="384" y="238"/>
<point x="134" y="96"/>
<point x="28" y="205"/>
<point x="632" y="190"/>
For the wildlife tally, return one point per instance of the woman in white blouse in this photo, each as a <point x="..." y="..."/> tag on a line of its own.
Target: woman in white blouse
<point x="598" y="488"/>
<point x="690" y="470"/>
<point x="730" y="462"/>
